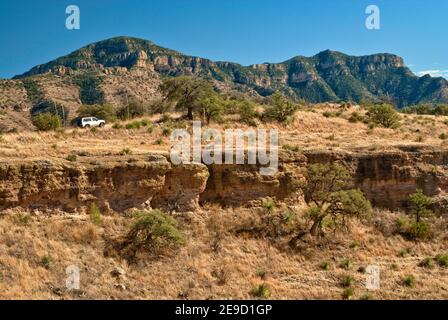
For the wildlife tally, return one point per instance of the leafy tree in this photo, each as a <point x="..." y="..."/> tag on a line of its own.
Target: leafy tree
<point x="328" y="195"/>
<point x="46" y="121"/>
<point x="186" y="93"/>
<point x="105" y="111"/>
<point x="211" y="106"/>
<point x="384" y="115"/>
<point x="154" y="232"/>
<point x="133" y="110"/>
<point x="279" y="108"/>
<point x="420" y="203"/>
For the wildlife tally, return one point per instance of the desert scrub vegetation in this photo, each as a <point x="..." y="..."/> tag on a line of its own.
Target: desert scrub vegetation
<point x="261" y="291"/>
<point x="153" y="232"/>
<point x="46" y="121"/>
<point x="279" y="109"/>
<point x="329" y="197"/>
<point x="89" y="88"/>
<point x="95" y="214"/>
<point x="384" y="115"/>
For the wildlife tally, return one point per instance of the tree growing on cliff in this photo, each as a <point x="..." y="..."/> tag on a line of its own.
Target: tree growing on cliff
<point x="330" y="198"/>
<point x="420" y="204"/>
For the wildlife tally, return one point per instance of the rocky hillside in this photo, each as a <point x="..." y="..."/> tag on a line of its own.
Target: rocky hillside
<point x="123" y="68"/>
<point x="327" y="76"/>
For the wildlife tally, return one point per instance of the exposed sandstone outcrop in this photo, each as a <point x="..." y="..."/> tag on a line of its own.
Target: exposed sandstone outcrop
<point x="121" y="183"/>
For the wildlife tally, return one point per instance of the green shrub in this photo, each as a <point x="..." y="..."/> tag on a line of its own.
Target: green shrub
<point x="384" y="115"/>
<point x="166" y="132"/>
<point x="419" y="231"/>
<point x="427" y="263"/>
<point x="71" y="157"/>
<point x="269" y="205"/>
<point x="355" y="117"/>
<point x="24" y="218"/>
<point x="443" y="136"/>
<point x="46" y="121"/>
<point x="347" y="281"/>
<point x="154" y="232"/>
<point x="159" y="141"/>
<point x="95" y="214"/>
<point x="261" y="291"/>
<point x="46" y="262"/>
<point x="290" y="148"/>
<point x="133" y="125"/>
<point x="133" y="110"/>
<point x="346" y="264"/>
<point x="442" y="260"/>
<point x="117" y="125"/>
<point x="348" y="294"/>
<point x="325" y="265"/>
<point x="409" y="281"/>
<point x="279" y="109"/>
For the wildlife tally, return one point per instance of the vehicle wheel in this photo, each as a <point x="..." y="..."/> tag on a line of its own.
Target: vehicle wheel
<point x="101" y="125"/>
<point x="87" y="126"/>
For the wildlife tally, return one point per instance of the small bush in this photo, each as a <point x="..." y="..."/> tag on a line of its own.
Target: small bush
<point x="347" y="281"/>
<point x="117" y="125"/>
<point x="71" y="157"/>
<point x="443" y="136"/>
<point x="125" y="151"/>
<point x="261" y="291"/>
<point x="355" y="117"/>
<point x="24" y="218"/>
<point x="366" y="296"/>
<point x="269" y="205"/>
<point x="279" y="109"/>
<point x="290" y="148"/>
<point x="46" y="121"/>
<point x="419" y="231"/>
<point x="95" y="214"/>
<point x="384" y="115"/>
<point x="442" y="260"/>
<point x="346" y="264"/>
<point x="325" y="265"/>
<point x="46" y="262"/>
<point x="427" y="263"/>
<point x="348" y="294"/>
<point x="166" y="132"/>
<point x="262" y="274"/>
<point x="409" y="281"/>
<point x="154" y="232"/>
<point x="159" y="141"/>
<point x="133" y="110"/>
<point x="134" y="125"/>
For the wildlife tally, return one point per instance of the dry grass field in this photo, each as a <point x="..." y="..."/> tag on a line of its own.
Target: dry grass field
<point x="229" y="252"/>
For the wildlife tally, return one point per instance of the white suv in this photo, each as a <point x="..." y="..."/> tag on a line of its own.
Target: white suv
<point x="92" y="122"/>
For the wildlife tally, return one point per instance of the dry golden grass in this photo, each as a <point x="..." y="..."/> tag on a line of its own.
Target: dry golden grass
<point x="309" y="130"/>
<point x="202" y="269"/>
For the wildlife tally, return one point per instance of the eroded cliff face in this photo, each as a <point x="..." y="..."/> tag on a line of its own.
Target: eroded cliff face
<point x="124" y="182"/>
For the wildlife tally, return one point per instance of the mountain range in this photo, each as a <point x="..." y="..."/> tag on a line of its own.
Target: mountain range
<point x="128" y="67"/>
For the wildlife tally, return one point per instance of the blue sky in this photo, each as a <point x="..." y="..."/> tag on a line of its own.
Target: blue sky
<point x="245" y="31"/>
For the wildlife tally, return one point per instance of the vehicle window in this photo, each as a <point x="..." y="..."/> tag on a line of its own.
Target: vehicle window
<point x="95" y="119"/>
